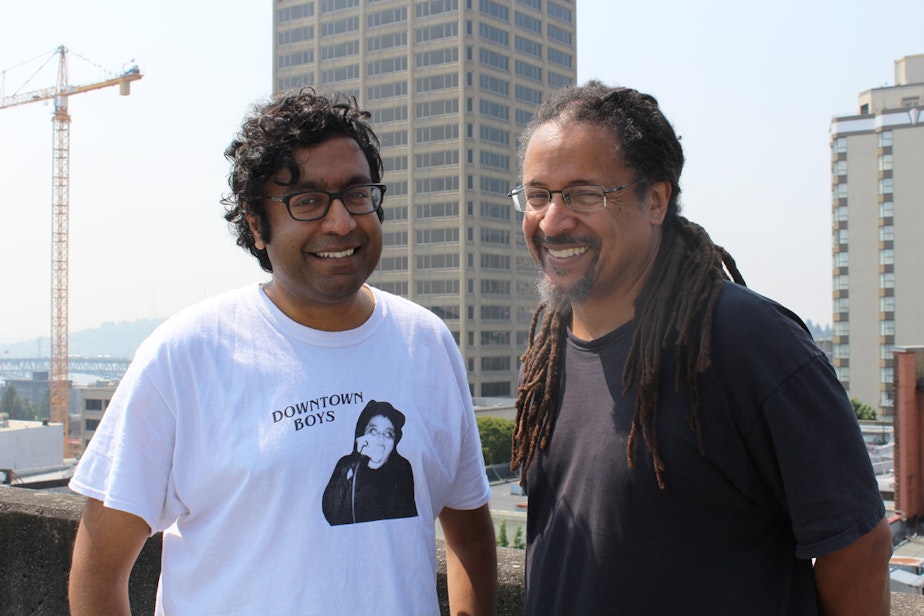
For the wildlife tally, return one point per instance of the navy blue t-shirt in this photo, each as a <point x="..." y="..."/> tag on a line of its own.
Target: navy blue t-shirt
<point x="785" y="477"/>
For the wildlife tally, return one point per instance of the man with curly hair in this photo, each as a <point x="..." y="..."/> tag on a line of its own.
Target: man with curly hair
<point x="230" y="422"/>
<point x="686" y="447"/>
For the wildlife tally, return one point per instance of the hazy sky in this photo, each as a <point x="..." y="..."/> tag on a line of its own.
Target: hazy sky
<point x="750" y="87"/>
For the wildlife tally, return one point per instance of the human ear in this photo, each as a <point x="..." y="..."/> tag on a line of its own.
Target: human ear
<point x="254" y="223"/>
<point x="659" y="196"/>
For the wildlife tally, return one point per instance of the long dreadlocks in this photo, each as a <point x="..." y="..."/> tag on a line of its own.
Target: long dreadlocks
<point x="675" y="305"/>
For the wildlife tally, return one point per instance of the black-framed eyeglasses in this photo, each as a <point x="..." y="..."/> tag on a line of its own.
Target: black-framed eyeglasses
<point x="582" y="198"/>
<point x="306" y="205"/>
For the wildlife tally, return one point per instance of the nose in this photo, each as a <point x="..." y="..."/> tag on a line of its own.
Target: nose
<point x="338" y="220"/>
<point x="557" y="217"/>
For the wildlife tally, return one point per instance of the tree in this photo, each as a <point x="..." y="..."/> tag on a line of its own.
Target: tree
<point x="863" y="411"/>
<point x="496" y="438"/>
<point x="502" y="534"/>
<point x="16" y="406"/>
<point x="518" y="539"/>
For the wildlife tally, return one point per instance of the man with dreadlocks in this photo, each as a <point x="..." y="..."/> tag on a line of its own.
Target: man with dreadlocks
<point x="686" y="447"/>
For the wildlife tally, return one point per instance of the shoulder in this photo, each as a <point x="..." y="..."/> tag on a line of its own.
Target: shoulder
<point x="755" y="331"/>
<point x="407" y="312"/>
<point x="202" y="322"/>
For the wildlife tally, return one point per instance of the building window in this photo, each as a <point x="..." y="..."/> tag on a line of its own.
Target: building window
<point x="528" y="95"/>
<point x="536" y="4"/>
<point x="839" y="168"/>
<point x="559" y="35"/>
<point x="495" y="161"/>
<point x="884" y="139"/>
<point x="329" y="6"/>
<point x="494" y="10"/>
<point x="494" y="185"/>
<point x="388" y="65"/>
<point x="437" y="236"/>
<point x="93" y="405"/>
<point x="90" y="425"/>
<point x="435" y="262"/>
<point x="495" y="390"/>
<point x="559" y="57"/>
<point x="296" y="59"/>
<point x="886" y="209"/>
<point x="495" y="338"/>
<point x="340" y="50"/>
<point x="386" y="90"/>
<point x="437" y="57"/>
<point x="498" y="262"/>
<point x="885" y="162"/>
<point x="494" y="35"/>
<point x="436" y="32"/>
<point x="341" y="26"/>
<point x="495" y="85"/>
<point x="436" y="7"/>
<point x="557" y="80"/>
<point x="341" y="73"/>
<point x="886" y="186"/>
<point x="438" y="287"/>
<point x="887" y="256"/>
<point x="494" y="59"/>
<point x="886" y="233"/>
<point x="495" y="364"/>
<point x="840" y="214"/>
<point x="527" y="46"/>
<point x="429" y="134"/>
<point x="527" y="23"/>
<point x="495" y="236"/>
<point x="447" y="313"/>
<point x="494" y="135"/>
<point x="384" y="18"/>
<point x="437" y="108"/>
<point x="496" y="211"/>
<point x="887" y="280"/>
<point x="436" y="82"/>
<point x="393" y="264"/>
<point x="841" y="259"/>
<point x="559" y="12"/>
<point x="839" y="145"/>
<point x="841" y="282"/>
<point x="386" y="41"/>
<point x="429" y="160"/>
<point x="395" y="288"/>
<point x="296" y="12"/>
<point x="527" y="70"/>
<point x="496" y="313"/>
<point x="290" y="37"/>
<point x="887" y="303"/>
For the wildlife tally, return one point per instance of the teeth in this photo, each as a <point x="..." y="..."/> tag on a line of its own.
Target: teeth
<point x="336" y="255"/>
<point x="567" y="252"/>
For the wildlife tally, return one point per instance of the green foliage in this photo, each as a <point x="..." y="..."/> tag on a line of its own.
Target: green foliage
<point x="16" y="406"/>
<point x="518" y="539"/>
<point x="502" y="535"/>
<point x="863" y="411"/>
<point x="496" y="438"/>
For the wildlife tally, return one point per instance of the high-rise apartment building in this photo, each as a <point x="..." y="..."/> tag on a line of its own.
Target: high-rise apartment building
<point x="877" y="181"/>
<point x="450" y="84"/>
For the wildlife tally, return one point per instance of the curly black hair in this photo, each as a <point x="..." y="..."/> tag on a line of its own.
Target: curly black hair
<point x="267" y="143"/>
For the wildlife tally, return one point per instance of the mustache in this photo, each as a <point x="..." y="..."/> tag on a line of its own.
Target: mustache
<point x="541" y="239"/>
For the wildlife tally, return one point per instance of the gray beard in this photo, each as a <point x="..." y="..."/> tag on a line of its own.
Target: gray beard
<point x="552" y="295"/>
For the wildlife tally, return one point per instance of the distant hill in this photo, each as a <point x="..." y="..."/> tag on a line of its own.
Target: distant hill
<point x="819" y="332"/>
<point x="113" y="339"/>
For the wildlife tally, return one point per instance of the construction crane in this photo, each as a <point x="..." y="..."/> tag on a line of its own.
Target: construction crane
<point x="60" y="172"/>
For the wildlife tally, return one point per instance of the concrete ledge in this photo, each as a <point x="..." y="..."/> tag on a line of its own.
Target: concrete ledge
<point x="37" y="531"/>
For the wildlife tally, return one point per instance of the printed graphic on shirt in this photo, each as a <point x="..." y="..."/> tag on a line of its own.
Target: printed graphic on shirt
<point x="374" y="482"/>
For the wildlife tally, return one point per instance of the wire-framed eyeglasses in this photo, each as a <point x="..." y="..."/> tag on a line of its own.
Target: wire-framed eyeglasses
<point x="582" y="198"/>
<point x="306" y="205"/>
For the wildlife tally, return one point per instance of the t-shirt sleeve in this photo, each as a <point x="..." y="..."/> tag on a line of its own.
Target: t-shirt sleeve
<point x="128" y="464"/>
<point x="470" y="489"/>
<point x="828" y="482"/>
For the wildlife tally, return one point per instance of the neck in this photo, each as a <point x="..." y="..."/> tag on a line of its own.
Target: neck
<point x="338" y="317"/>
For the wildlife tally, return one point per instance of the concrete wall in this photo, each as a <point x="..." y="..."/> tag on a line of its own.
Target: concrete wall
<point x="37" y="531"/>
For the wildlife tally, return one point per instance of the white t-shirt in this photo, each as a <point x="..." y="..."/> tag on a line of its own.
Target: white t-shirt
<point x="224" y="434"/>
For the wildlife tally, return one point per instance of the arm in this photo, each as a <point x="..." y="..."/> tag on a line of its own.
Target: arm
<point x="471" y="561"/>
<point x="108" y="542"/>
<point x="855" y="579"/>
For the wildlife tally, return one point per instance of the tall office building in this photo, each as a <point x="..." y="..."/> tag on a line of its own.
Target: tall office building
<point x="877" y="184"/>
<point x="450" y="84"/>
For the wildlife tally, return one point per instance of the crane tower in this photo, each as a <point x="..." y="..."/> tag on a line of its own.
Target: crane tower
<point x="60" y="173"/>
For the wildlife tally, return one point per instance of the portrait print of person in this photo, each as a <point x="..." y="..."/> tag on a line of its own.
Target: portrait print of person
<point x="374" y="482"/>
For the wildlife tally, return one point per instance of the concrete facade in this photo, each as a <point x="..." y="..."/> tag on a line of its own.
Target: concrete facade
<point x="450" y="84"/>
<point x="877" y="217"/>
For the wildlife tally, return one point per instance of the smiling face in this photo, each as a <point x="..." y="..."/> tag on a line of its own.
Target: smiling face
<point x="599" y="260"/>
<point x="319" y="267"/>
